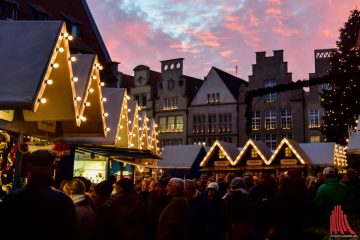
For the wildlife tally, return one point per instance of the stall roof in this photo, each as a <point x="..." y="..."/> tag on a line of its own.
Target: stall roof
<point x="263" y="150"/>
<point x="319" y="153"/>
<point x="25" y="53"/>
<point x="118" y="153"/>
<point x="179" y="156"/>
<point x="112" y="106"/>
<point x="354" y="143"/>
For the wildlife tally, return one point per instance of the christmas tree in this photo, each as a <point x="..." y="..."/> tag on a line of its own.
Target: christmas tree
<point x="342" y="102"/>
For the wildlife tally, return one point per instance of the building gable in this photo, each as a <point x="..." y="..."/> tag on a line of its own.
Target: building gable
<point x="213" y="84"/>
<point x="252" y="155"/>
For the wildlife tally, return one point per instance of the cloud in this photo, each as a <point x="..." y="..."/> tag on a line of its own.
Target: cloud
<point x="226" y="53"/>
<point x="146" y="32"/>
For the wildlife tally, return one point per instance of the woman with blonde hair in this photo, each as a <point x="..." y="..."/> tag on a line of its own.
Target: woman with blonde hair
<point x="75" y="189"/>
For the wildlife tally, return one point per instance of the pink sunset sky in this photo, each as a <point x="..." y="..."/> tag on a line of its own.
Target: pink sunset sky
<point x="223" y="34"/>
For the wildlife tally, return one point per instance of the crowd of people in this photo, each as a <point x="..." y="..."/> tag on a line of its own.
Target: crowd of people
<point x="270" y="206"/>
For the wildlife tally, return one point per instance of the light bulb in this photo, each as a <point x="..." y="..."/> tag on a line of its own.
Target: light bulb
<point x="42" y="100"/>
<point x="106" y="114"/>
<point x="61" y="49"/>
<point x="104" y="99"/>
<point x="94" y="77"/>
<point x="70" y="37"/>
<point x="107" y="129"/>
<point x="49" y="81"/>
<point x="102" y="84"/>
<point x="91" y="90"/>
<point x="78" y="98"/>
<point x="73" y="59"/>
<point x="87" y="104"/>
<point x="75" y="79"/>
<point x="55" y="65"/>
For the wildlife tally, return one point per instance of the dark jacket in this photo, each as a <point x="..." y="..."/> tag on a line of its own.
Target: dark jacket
<point x="174" y="220"/>
<point x="39" y="211"/>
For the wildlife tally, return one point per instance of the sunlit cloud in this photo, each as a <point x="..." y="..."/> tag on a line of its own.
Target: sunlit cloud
<point x="218" y="33"/>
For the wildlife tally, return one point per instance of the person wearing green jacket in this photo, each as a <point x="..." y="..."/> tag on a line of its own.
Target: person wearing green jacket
<point x="330" y="194"/>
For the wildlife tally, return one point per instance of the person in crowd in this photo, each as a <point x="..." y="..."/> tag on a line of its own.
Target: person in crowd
<point x="75" y="189"/>
<point x="202" y="213"/>
<point x="311" y="187"/>
<point x="87" y="184"/>
<point x="226" y="188"/>
<point x="352" y="181"/>
<point x="290" y="204"/>
<point x="42" y="209"/>
<point x="174" y="219"/>
<point x="103" y="210"/>
<point x="157" y="203"/>
<point x="236" y="211"/>
<point x="214" y="196"/>
<point x="249" y="182"/>
<point x="129" y="213"/>
<point x="203" y="183"/>
<point x="144" y="192"/>
<point x="330" y="194"/>
<point x="261" y="197"/>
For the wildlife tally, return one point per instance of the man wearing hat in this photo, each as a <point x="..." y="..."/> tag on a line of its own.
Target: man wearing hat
<point x="237" y="211"/>
<point x="39" y="211"/>
<point x="330" y="194"/>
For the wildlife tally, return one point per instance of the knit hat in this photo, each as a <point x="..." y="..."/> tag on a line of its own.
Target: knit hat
<point x="328" y="170"/>
<point x="237" y="183"/>
<point x="104" y="188"/>
<point x="213" y="185"/>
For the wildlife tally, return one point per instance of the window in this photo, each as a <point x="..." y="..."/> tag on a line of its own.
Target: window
<point x="143" y="100"/>
<point x="199" y="141"/>
<point x="171" y="84"/>
<point x="213" y="98"/>
<point x="179" y="123"/>
<point x="166" y="104"/>
<point x="221" y="155"/>
<point x="171" y="124"/>
<point x="195" y="124"/>
<point x="288" y="152"/>
<point x="286" y="119"/>
<point x="174" y="103"/>
<point x="162" y="123"/>
<point x="286" y="135"/>
<point x="75" y="30"/>
<point x="254" y="153"/>
<point x="270" y="140"/>
<point x="212" y="123"/>
<point x="314" y="118"/>
<point x="271" y="97"/>
<point x="8" y="10"/>
<point x="314" y="138"/>
<point x="225" y="120"/>
<point x="270" y="119"/>
<point x="255" y="120"/>
<point x="256" y="137"/>
<point x="170" y="103"/>
<point x="167" y="142"/>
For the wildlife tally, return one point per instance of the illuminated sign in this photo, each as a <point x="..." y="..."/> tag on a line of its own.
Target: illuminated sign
<point x="254" y="162"/>
<point x="288" y="161"/>
<point x="7" y="115"/>
<point x="221" y="163"/>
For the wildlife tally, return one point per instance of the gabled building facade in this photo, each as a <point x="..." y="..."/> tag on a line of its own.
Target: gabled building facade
<point x="275" y="115"/>
<point x="174" y="93"/>
<point x="213" y="113"/>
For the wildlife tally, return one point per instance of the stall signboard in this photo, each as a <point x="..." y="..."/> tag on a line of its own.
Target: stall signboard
<point x="47" y="126"/>
<point x="254" y="162"/>
<point x="221" y="163"/>
<point x="288" y="161"/>
<point x="7" y="115"/>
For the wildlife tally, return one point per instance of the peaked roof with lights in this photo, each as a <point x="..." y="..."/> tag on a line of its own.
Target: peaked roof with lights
<point x="90" y="120"/>
<point x="143" y="130"/>
<point x="261" y="149"/>
<point x="230" y="151"/>
<point x="295" y="149"/>
<point x="112" y="106"/>
<point x="133" y="122"/>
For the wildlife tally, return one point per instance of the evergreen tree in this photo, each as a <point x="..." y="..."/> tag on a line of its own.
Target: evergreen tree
<point x="342" y="102"/>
